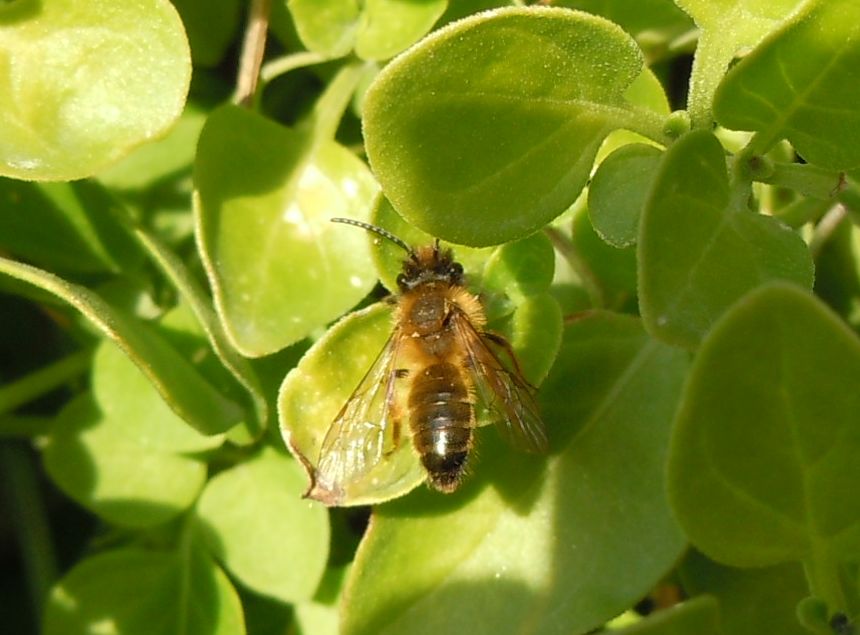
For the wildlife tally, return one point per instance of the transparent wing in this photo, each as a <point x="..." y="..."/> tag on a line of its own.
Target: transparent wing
<point x="364" y="431"/>
<point x="503" y="392"/>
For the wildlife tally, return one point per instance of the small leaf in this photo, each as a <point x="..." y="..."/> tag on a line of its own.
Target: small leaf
<point x="314" y="392"/>
<point x="326" y="26"/>
<point x="126" y="482"/>
<point x="181" y="386"/>
<point x="618" y="192"/>
<point x="697" y="255"/>
<point x="136" y="592"/>
<point x="700" y="616"/>
<point x="536" y="333"/>
<point x="777" y="378"/>
<point x="278" y="267"/>
<point x="522" y="268"/>
<point x="801" y="85"/>
<point x="488" y="129"/>
<point x="389" y="26"/>
<point x="752" y="601"/>
<point x="76" y="85"/>
<point x="255" y="521"/>
<point x="522" y="534"/>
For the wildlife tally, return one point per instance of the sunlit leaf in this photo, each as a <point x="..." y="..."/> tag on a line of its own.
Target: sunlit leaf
<point x="487" y="129"/>
<point x="136" y="592"/>
<point x="256" y="522"/>
<point x="76" y="83"/>
<point x="278" y="267"/>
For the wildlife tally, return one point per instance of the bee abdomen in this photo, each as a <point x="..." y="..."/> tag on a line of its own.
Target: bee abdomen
<point x="441" y="424"/>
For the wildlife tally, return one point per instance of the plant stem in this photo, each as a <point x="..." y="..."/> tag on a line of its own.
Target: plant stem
<point x="589" y="281"/>
<point x="28" y="518"/>
<point x="825" y="228"/>
<point x="291" y="62"/>
<point x="329" y="108"/>
<point x="709" y="65"/>
<point x="12" y="427"/>
<point x="822" y="576"/>
<point x="43" y="381"/>
<point x="253" y="47"/>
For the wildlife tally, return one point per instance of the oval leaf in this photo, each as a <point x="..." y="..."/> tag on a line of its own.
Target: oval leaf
<point x="265" y="194"/>
<point x="314" y="392"/>
<point x="257" y="524"/>
<point x="801" y="85"/>
<point x="124" y="481"/>
<point x="696" y="254"/>
<point x="778" y="378"/>
<point x="76" y="85"/>
<point x="136" y="592"/>
<point x="487" y="129"/>
<point x="618" y="192"/>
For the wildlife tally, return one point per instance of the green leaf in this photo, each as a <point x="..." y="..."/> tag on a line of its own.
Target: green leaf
<point x="800" y="85"/>
<point x="536" y="332"/>
<point x="777" y="378"/>
<point x="255" y="521"/>
<point x="752" y="601"/>
<point x="76" y="83"/>
<point x="136" y="592"/>
<point x="181" y="386"/>
<point x="698" y="253"/>
<point x="522" y="268"/>
<point x="618" y="192"/>
<point x="279" y="269"/>
<point x="377" y="29"/>
<point x="389" y="26"/>
<point x="126" y="481"/>
<point x="654" y="23"/>
<point x="127" y="397"/>
<point x="487" y="129"/>
<point x="67" y="227"/>
<point x="727" y="27"/>
<point x="699" y="615"/>
<point x="523" y="534"/>
<point x="326" y="26"/>
<point x="314" y="392"/>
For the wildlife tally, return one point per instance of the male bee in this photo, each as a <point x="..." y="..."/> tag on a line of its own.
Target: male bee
<point x="438" y="366"/>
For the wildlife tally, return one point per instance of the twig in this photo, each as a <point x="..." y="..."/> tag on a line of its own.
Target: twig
<point x="253" y="47"/>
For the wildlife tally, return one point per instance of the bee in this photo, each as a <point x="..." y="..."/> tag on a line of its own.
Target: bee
<point x="437" y="368"/>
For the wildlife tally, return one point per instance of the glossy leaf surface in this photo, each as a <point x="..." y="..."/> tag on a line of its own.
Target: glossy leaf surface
<point x="76" y="85"/>
<point x="278" y="267"/>
<point x="487" y="130"/>
<point x="767" y="434"/>
<point x="697" y="253"/>
<point x="523" y="532"/>
<point x="801" y="85"/>
<point x="255" y="521"/>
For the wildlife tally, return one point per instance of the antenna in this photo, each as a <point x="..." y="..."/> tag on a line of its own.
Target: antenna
<point x="376" y="230"/>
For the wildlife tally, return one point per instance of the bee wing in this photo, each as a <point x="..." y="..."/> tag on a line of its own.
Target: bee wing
<point x="503" y="392"/>
<point x="363" y="432"/>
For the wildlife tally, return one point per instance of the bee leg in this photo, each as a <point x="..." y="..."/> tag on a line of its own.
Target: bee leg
<point x="502" y="343"/>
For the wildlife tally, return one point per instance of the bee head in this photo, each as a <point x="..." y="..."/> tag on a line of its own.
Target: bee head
<point x="430" y="264"/>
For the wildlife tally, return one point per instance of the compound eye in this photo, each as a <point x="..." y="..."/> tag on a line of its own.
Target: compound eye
<point x="457" y="269"/>
<point x="401" y="280"/>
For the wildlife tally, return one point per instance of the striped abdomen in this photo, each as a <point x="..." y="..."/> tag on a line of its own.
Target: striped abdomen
<point x="441" y="421"/>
